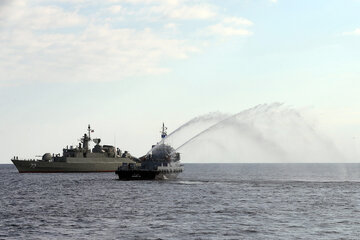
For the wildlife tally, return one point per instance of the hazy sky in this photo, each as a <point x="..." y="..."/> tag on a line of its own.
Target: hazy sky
<point x="125" y="66"/>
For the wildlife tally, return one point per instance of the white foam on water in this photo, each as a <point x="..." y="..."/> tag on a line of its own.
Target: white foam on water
<point x="190" y="182"/>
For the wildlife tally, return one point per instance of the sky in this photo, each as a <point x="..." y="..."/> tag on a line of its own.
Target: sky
<point x="126" y="66"/>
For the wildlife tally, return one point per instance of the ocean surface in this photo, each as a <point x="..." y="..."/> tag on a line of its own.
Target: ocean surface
<point x="207" y="201"/>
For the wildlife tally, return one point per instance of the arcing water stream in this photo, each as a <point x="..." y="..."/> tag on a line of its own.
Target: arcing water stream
<point x="265" y="133"/>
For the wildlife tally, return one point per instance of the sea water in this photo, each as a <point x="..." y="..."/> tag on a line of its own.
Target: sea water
<point x="207" y="201"/>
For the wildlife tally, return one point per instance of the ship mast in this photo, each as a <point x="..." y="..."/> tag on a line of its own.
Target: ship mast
<point x="163" y="131"/>
<point x="86" y="138"/>
<point x="89" y="131"/>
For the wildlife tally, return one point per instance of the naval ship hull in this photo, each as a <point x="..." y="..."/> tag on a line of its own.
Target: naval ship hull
<point x="101" y="158"/>
<point x="26" y="166"/>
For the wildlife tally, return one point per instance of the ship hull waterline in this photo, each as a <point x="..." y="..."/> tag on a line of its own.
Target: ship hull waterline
<point x="24" y="166"/>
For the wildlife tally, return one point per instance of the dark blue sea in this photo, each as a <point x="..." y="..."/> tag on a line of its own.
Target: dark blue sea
<point x="207" y="201"/>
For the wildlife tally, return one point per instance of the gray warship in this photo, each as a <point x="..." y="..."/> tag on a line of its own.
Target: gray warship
<point x="162" y="162"/>
<point x="102" y="158"/>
